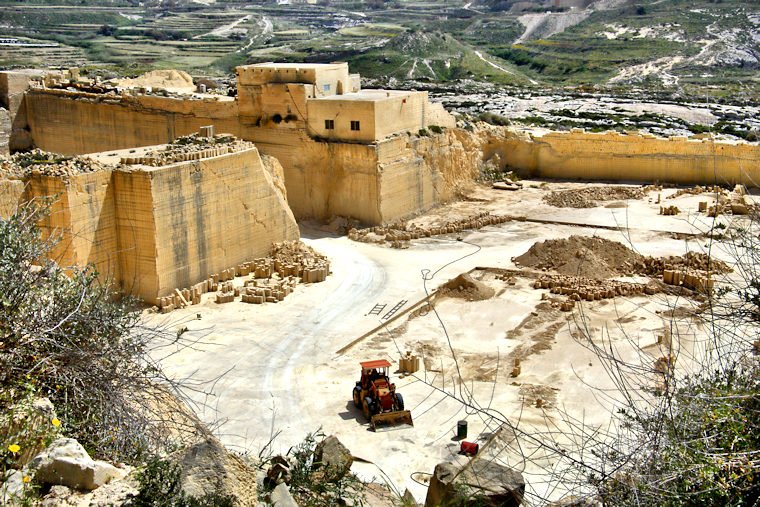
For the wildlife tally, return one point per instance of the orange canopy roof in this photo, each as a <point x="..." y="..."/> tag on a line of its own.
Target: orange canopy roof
<point x="377" y="363"/>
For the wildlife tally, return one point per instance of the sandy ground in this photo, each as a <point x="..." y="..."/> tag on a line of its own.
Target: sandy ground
<point x="281" y="374"/>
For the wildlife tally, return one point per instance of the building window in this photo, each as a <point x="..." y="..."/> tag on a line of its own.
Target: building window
<point x="329" y="124"/>
<point x="355" y="125"/>
<point x="326" y="87"/>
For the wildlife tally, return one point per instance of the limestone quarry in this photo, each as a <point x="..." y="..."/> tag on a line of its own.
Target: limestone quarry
<point x="307" y="225"/>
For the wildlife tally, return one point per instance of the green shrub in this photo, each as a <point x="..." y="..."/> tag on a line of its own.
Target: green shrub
<point x="161" y="486"/>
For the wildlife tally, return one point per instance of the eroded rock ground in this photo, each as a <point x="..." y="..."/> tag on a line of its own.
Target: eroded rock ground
<point x="285" y="368"/>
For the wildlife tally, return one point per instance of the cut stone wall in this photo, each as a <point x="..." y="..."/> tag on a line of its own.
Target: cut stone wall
<point x="81" y="218"/>
<point x="76" y="123"/>
<point x="11" y="193"/>
<point x="612" y="156"/>
<point x="153" y="229"/>
<point x="213" y="214"/>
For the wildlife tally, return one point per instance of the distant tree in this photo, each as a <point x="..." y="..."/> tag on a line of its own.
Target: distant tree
<point x="107" y="30"/>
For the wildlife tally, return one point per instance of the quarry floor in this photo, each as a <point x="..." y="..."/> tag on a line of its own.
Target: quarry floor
<point x="278" y="374"/>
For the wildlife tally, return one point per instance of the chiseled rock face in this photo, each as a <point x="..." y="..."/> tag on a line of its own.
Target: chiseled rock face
<point x="66" y="463"/>
<point x="332" y="459"/>
<point x="481" y="482"/>
<point x="207" y="467"/>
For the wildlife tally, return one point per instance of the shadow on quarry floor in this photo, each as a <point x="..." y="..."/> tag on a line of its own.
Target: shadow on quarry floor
<point x="352" y="413"/>
<point x="315" y="230"/>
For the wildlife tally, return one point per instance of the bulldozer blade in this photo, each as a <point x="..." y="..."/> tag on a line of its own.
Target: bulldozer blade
<point x="387" y="420"/>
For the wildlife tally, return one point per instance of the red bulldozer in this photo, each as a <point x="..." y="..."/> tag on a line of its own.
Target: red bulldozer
<point x="377" y="397"/>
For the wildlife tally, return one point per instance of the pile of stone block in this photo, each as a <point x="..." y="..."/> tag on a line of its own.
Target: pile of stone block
<point x="669" y="210"/>
<point x="695" y="280"/>
<point x="193" y="147"/>
<point x="409" y="364"/>
<point x="271" y="278"/>
<point x="267" y="291"/>
<point x="403" y="231"/>
<point x="41" y="163"/>
<point x="579" y="288"/>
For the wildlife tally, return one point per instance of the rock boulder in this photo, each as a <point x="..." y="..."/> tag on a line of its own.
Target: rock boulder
<point x="480" y="482"/>
<point x="332" y="459"/>
<point x="208" y="466"/>
<point x="66" y="463"/>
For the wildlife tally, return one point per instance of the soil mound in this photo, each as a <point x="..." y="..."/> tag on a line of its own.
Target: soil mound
<point x="177" y="81"/>
<point x="582" y="256"/>
<point x="591" y="197"/>
<point x="600" y="258"/>
<point x="465" y="287"/>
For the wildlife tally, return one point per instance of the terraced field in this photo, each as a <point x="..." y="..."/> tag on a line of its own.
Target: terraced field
<point x="693" y="47"/>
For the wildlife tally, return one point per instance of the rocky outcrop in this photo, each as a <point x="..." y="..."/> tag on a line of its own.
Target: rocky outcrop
<point x="65" y="462"/>
<point x="480" y="482"/>
<point x="208" y="467"/>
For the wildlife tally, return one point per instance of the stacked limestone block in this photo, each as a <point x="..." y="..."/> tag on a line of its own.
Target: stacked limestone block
<point x="579" y="288"/>
<point x="400" y="232"/>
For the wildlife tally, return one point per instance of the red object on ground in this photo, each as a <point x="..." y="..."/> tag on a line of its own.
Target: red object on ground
<point x="470" y="448"/>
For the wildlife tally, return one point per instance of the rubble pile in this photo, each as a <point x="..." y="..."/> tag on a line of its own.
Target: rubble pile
<point x="22" y="165"/>
<point x="590" y="197"/>
<point x="698" y="190"/>
<point x="585" y="256"/>
<point x="191" y="147"/>
<point x="398" y="233"/>
<point x="600" y="258"/>
<point x="270" y="279"/>
<point x="466" y="287"/>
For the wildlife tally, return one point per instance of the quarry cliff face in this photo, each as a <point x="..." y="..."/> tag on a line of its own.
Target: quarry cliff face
<point x="613" y="156"/>
<point x="378" y="179"/>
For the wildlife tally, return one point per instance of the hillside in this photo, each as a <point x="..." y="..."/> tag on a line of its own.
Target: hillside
<point x="696" y="47"/>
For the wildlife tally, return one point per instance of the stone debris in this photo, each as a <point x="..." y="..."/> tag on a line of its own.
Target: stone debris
<point x="207" y="466"/>
<point x="270" y="279"/>
<point x="698" y="190"/>
<point x="400" y="232"/>
<point x="177" y="81"/>
<point x="590" y="197"/>
<point x="22" y="165"/>
<point x="585" y="256"/>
